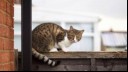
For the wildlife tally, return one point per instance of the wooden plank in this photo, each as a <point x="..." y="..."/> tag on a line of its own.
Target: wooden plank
<point x="82" y="55"/>
<point x="62" y="68"/>
<point x="86" y="65"/>
<point x="117" y="61"/>
<point x="66" y="61"/>
<point x="93" y="64"/>
<point x="16" y="59"/>
<point x="111" y="64"/>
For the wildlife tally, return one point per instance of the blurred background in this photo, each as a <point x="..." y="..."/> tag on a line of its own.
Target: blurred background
<point x="104" y="21"/>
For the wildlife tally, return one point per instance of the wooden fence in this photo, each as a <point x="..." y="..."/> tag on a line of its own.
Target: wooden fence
<point x="82" y="61"/>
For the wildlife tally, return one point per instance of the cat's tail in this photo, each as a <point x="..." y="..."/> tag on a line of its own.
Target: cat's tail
<point x="45" y="58"/>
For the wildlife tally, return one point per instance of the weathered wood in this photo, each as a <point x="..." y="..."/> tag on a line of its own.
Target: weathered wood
<point x="81" y="55"/>
<point x="16" y="59"/>
<point x="83" y="61"/>
<point x="62" y="68"/>
<point x="67" y="61"/>
<point x="93" y="64"/>
<point x="119" y="64"/>
<point x="84" y="65"/>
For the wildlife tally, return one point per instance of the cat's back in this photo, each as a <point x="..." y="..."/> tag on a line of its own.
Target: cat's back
<point x="45" y="28"/>
<point x="52" y="27"/>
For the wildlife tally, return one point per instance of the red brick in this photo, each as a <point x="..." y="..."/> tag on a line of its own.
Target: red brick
<point x="1" y="67"/>
<point x="12" y="11"/>
<point x="8" y="44"/>
<point x="0" y="4"/>
<point x="8" y="8"/>
<point x="9" y="21"/>
<point x="1" y="55"/>
<point x="1" y="44"/>
<point x="12" y="56"/>
<point x="6" y="57"/>
<point x="11" y="33"/>
<point x="4" y="18"/>
<point x="7" y="32"/>
<point x="12" y="66"/>
<point x="2" y="30"/>
<point x="7" y="67"/>
<point x="12" y="22"/>
<point x="9" y="1"/>
<point x="12" y="1"/>
<point x="3" y="5"/>
<point x="1" y="18"/>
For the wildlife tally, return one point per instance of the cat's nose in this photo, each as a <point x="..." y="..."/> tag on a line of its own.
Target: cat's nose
<point x="75" y="40"/>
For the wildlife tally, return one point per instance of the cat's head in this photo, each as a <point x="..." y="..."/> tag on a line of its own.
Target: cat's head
<point x="74" y="35"/>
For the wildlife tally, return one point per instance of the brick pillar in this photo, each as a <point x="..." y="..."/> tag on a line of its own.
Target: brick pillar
<point x="7" y="35"/>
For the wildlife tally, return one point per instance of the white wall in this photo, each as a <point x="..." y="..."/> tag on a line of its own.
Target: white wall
<point x="113" y="8"/>
<point x="108" y="23"/>
<point x="113" y="13"/>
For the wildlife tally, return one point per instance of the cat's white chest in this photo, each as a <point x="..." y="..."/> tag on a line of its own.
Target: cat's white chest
<point x="56" y="46"/>
<point x="65" y="43"/>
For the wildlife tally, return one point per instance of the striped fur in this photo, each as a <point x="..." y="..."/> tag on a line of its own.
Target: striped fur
<point x="45" y="59"/>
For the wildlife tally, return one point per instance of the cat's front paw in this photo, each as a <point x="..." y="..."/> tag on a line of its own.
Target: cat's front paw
<point x="54" y="50"/>
<point x="65" y="50"/>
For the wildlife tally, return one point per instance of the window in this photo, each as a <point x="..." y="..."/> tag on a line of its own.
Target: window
<point x="114" y="41"/>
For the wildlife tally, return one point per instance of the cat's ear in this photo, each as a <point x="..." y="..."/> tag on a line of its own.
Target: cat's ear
<point x="82" y="31"/>
<point x="71" y="28"/>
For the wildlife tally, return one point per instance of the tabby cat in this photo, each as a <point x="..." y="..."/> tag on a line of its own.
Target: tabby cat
<point x="48" y="36"/>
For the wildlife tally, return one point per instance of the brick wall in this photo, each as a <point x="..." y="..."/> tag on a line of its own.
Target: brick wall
<point x="6" y="35"/>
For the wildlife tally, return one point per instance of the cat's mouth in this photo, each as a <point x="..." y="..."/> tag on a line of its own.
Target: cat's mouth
<point x="73" y="41"/>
